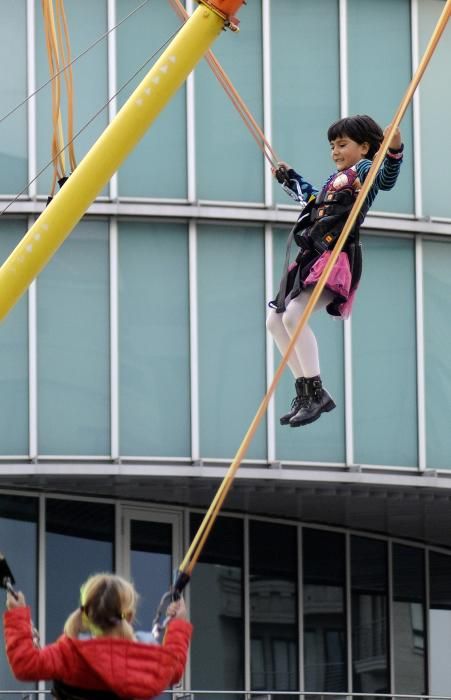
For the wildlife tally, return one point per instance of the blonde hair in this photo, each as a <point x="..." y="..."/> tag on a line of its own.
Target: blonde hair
<point x="107" y="607"/>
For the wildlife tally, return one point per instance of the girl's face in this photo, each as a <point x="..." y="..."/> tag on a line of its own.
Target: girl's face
<point x="346" y="152"/>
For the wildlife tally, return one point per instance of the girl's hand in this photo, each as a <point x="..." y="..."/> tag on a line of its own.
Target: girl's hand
<point x="177" y="609"/>
<point x="396" y="141"/>
<point x="281" y="172"/>
<point x="12" y="602"/>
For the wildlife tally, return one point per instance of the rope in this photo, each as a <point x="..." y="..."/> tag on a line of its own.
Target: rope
<point x="198" y="542"/>
<point x="74" y="60"/>
<point x="89" y="122"/>
<point x="58" y="52"/>
<point x="237" y="101"/>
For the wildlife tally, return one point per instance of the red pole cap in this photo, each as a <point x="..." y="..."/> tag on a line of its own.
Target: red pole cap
<point x="225" y="8"/>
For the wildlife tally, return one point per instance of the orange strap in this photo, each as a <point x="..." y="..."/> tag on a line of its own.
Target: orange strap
<point x="238" y="102"/>
<point x="58" y="53"/>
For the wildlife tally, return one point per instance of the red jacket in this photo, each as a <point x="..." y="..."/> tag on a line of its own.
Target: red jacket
<point x="128" y="669"/>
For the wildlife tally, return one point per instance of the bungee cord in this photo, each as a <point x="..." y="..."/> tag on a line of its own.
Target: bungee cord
<point x="195" y="549"/>
<point x="71" y="63"/>
<point x="237" y="101"/>
<point x="58" y="43"/>
<point x="89" y="122"/>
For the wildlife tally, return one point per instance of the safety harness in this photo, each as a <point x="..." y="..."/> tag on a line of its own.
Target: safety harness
<point x="315" y="232"/>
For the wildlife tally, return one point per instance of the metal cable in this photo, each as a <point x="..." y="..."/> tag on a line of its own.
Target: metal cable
<point x="83" y="53"/>
<point x="85" y="126"/>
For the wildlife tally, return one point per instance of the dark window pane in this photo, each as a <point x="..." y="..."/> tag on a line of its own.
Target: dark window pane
<point x="408" y="620"/>
<point x="79" y="542"/>
<point x="150" y="566"/>
<point x="217" y="651"/>
<point x="18" y="528"/>
<point x="273" y="606"/>
<point x="324" y="611"/>
<point x="369" y="615"/>
<point x="440" y="623"/>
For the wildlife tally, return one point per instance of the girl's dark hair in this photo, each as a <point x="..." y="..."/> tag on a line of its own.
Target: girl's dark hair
<point x="359" y="128"/>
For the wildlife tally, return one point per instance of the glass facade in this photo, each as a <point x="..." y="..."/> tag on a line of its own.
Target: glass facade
<point x="188" y="297"/>
<point x="370" y="628"/>
<point x="290" y="607"/>
<point x="217" y="607"/>
<point x="273" y="607"/>
<point x="324" y="611"/>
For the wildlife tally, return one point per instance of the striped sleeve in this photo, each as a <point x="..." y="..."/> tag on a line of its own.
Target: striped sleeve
<point x="385" y="178"/>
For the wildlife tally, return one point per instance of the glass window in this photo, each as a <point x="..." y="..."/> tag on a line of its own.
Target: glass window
<point x="369" y="616"/>
<point x="13" y="89"/>
<point x="79" y="542"/>
<point x="90" y="78"/>
<point x="147" y="172"/>
<point x="273" y="607"/>
<point x="154" y="339"/>
<point x="408" y="620"/>
<point x="13" y="359"/>
<point x="151" y="566"/>
<point x="18" y="527"/>
<point x="439" y="624"/>
<point x="322" y="441"/>
<point x="370" y="26"/>
<point x="435" y="110"/>
<point x="73" y="346"/>
<point x="231" y="338"/>
<point x="324" y="611"/>
<point x="300" y="118"/>
<point x="229" y="163"/>
<point x="384" y="355"/>
<point x="216" y="608"/>
<point x="437" y="337"/>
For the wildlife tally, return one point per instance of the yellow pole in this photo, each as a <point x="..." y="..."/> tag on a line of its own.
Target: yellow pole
<point x="207" y="523"/>
<point x="101" y="162"/>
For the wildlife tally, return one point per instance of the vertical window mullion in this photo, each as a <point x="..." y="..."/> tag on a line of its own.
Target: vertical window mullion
<point x="114" y="339"/>
<point x="31" y="104"/>
<point x="112" y="80"/>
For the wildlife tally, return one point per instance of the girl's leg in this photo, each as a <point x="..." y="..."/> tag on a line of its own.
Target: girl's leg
<point x="314" y="399"/>
<point x="306" y="345"/>
<point x="275" y="325"/>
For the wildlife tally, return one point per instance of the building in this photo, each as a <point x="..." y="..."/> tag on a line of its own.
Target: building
<point x="131" y="370"/>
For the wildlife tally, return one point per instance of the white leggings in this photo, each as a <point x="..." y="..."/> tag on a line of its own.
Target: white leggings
<point x="304" y="358"/>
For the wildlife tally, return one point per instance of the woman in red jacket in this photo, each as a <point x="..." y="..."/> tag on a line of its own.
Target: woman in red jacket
<point x="99" y="650"/>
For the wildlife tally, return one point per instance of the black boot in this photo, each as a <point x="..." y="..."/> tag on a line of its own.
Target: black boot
<point x="296" y="403"/>
<point x="315" y="401"/>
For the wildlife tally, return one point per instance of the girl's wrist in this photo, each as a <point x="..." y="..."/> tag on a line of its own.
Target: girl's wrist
<point x="393" y="150"/>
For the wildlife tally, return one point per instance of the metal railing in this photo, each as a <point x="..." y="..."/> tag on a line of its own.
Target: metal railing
<point x="180" y="694"/>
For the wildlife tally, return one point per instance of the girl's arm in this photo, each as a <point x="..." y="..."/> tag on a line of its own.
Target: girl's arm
<point x="386" y="176"/>
<point x="176" y="643"/>
<point x="294" y="184"/>
<point x="28" y="662"/>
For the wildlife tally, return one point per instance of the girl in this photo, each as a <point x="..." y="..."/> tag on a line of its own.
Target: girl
<point x="354" y="142"/>
<point x="99" y="650"/>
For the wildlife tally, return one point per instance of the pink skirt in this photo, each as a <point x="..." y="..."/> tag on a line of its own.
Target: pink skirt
<point x="339" y="281"/>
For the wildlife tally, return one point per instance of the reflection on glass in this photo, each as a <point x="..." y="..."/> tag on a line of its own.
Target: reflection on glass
<point x="440" y="623"/>
<point x="369" y="615"/>
<point x="79" y="542"/>
<point x="273" y="606"/>
<point x="216" y="596"/>
<point x="150" y="566"/>
<point x="408" y="620"/>
<point x="18" y="528"/>
<point x="324" y="611"/>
